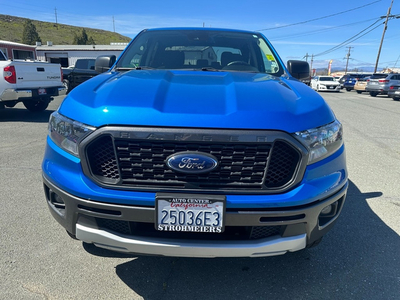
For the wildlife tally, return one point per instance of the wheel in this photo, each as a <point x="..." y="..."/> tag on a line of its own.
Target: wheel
<point x="36" y="105"/>
<point x="359" y="92"/>
<point x="396" y="98"/>
<point x="66" y="85"/>
<point x="373" y="94"/>
<point x="347" y="89"/>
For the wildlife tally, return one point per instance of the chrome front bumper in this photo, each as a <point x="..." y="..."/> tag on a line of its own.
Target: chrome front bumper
<point x="271" y="246"/>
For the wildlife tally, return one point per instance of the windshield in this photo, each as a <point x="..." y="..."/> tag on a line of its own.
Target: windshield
<point x="201" y="49"/>
<point x="379" y="76"/>
<point x="326" y="79"/>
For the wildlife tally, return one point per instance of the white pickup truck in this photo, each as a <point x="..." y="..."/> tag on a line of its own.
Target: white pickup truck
<point x="31" y="82"/>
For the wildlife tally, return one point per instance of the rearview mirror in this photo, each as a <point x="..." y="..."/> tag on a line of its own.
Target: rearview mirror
<point x="104" y="63"/>
<point x="299" y="69"/>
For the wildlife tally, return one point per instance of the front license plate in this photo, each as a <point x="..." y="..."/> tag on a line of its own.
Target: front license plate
<point x="42" y="91"/>
<point x="190" y="213"/>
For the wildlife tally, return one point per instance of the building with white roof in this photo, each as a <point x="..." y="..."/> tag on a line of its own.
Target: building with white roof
<point x="66" y="55"/>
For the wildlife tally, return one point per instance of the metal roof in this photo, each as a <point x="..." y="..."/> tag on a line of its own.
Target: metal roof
<point x="16" y="44"/>
<point x="116" y="47"/>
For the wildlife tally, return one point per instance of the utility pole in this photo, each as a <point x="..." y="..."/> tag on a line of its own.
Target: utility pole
<point x="311" y="62"/>
<point x="348" y="57"/>
<point x="383" y="36"/>
<point x="306" y="56"/>
<point x="55" y="11"/>
<point x="113" y="23"/>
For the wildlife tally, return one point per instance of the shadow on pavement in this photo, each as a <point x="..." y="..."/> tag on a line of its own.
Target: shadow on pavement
<point x="17" y="114"/>
<point x="358" y="259"/>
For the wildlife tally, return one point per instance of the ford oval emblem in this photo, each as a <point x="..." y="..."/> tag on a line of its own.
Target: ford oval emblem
<point x="192" y="162"/>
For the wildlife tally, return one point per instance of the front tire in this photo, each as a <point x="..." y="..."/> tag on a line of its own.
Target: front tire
<point x="359" y="92"/>
<point x="373" y="94"/>
<point x="66" y="85"/>
<point x="36" y="105"/>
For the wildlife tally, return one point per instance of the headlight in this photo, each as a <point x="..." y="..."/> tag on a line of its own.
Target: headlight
<point x="67" y="133"/>
<point x="322" y="141"/>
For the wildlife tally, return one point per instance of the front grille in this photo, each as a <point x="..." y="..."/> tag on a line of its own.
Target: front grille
<point x="148" y="230"/>
<point x="141" y="164"/>
<point x="144" y="162"/>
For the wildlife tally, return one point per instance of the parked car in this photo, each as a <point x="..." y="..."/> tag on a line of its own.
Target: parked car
<point x="351" y="81"/>
<point x="360" y="85"/>
<point x="394" y="92"/>
<point x="33" y="83"/>
<point x="325" y="83"/>
<point x="79" y="73"/>
<point x="379" y="83"/>
<point x="182" y="149"/>
<point x="345" y="77"/>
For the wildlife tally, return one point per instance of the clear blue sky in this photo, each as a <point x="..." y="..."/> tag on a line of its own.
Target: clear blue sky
<point x="321" y="25"/>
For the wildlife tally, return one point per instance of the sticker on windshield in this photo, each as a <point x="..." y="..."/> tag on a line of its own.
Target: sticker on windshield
<point x="270" y="57"/>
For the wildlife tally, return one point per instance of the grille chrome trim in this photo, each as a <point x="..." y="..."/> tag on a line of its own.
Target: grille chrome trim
<point x="145" y="169"/>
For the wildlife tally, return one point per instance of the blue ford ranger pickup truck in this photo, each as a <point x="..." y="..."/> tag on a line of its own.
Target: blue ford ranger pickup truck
<point x="196" y="143"/>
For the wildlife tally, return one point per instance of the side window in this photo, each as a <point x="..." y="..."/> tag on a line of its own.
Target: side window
<point x="91" y="64"/>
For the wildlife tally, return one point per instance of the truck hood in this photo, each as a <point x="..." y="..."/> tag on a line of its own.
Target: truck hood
<point x="200" y="99"/>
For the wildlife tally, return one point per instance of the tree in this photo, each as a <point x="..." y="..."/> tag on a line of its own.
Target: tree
<point x="29" y="34"/>
<point x="83" y="39"/>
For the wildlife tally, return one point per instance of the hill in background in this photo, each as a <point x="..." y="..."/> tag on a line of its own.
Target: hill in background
<point x="59" y="34"/>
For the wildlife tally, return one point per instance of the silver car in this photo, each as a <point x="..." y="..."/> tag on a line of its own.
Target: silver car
<point x="381" y="83"/>
<point x="394" y="92"/>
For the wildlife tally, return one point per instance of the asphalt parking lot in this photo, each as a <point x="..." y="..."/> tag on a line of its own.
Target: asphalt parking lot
<point x="358" y="259"/>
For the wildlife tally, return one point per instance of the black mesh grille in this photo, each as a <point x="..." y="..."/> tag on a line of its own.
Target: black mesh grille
<point x="102" y="159"/>
<point x="282" y="165"/>
<point x="142" y="164"/>
<point x="147" y="229"/>
<point x="259" y="232"/>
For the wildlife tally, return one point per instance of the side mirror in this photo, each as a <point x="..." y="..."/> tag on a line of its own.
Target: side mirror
<point x="104" y="63"/>
<point x="299" y="69"/>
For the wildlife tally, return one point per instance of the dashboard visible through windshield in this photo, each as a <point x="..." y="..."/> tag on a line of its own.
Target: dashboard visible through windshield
<point x="207" y="50"/>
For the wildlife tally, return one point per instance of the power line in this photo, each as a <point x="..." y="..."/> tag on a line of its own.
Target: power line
<point x="350" y="40"/>
<point x="320" y="18"/>
<point x="300" y="34"/>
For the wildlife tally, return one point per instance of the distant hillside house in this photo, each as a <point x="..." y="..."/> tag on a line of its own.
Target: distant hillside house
<point x="66" y="55"/>
<point x="17" y="51"/>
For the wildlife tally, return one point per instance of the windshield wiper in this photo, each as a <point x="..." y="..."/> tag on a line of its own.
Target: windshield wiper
<point x="144" y="68"/>
<point x="211" y="69"/>
<point x="123" y="69"/>
<point x="134" y="68"/>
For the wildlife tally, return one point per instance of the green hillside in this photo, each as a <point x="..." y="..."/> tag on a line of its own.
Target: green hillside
<point x="12" y="27"/>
